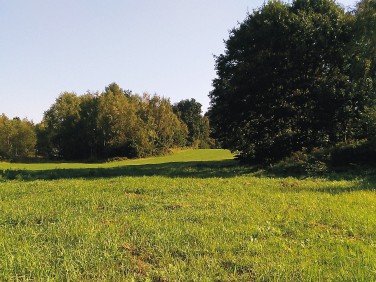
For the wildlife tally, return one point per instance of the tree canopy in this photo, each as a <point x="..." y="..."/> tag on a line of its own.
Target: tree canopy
<point x="108" y="124"/>
<point x="190" y="112"/>
<point x="17" y="138"/>
<point x="294" y="76"/>
<point x="114" y="123"/>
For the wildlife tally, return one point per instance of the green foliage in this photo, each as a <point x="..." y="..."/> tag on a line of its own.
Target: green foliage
<point x="61" y="121"/>
<point x="355" y="153"/>
<point x="290" y="79"/>
<point x="205" y="219"/>
<point x="118" y="123"/>
<point x="165" y="129"/>
<point x="347" y="157"/>
<point x="189" y="112"/>
<point x="17" y="138"/>
<point x="198" y="126"/>
<point x="90" y="138"/>
<point x="307" y="163"/>
<point x="114" y="123"/>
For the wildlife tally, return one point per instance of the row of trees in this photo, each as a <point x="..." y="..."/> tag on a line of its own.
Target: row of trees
<point x="17" y="138"/>
<point x="296" y="76"/>
<point x="114" y="123"/>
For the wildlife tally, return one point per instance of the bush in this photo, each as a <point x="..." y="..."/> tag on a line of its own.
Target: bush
<point x="359" y="153"/>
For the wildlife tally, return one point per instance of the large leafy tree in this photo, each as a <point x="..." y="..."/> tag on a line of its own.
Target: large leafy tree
<point x="118" y="122"/>
<point x="61" y="121"/>
<point x="190" y="112"/>
<point x="364" y="63"/>
<point x="165" y="129"/>
<point x="87" y="126"/>
<point x="286" y="81"/>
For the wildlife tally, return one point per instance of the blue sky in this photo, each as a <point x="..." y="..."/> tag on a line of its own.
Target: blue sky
<point x="164" y="47"/>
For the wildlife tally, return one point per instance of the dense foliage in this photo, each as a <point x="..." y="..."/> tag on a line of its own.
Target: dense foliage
<point x="114" y="123"/>
<point x="296" y="76"/>
<point x="17" y="138"/>
<point x="198" y="126"/>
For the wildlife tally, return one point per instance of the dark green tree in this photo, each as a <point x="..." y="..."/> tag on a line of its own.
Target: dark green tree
<point x="190" y="112"/>
<point x="364" y="64"/>
<point x="44" y="146"/>
<point x="87" y="126"/>
<point x="61" y="127"/>
<point x="286" y="81"/>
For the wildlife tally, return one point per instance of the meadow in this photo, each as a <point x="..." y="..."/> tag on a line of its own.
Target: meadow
<point x="196" y="215"/>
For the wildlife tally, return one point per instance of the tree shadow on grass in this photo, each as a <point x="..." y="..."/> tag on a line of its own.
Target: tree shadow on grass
<point x="366" y="179"/>
<point x="363" y="184"/>
<point x="194" y="169"/>
<point x="363" y="178"/>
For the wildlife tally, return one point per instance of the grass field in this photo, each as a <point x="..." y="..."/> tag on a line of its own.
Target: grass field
<point x="193" y="216"/>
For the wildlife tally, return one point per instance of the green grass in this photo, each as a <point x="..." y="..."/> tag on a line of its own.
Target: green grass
<point x="193" y="216"/>
<point x="179" y="156"/>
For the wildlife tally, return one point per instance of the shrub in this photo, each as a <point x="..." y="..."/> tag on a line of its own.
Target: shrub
<point x="358" y="152"/>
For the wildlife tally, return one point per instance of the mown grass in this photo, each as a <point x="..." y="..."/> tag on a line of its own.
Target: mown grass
<point x="193" y="216"/>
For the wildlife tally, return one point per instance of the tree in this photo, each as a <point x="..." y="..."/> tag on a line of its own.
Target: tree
<point x="5" y="131"/>
<point x="286" y="81"/>
<point x="189" y="111"/>
<point x="87" y="126"/>
<point x="118" y="123"/>
<point x="61" y="122"/>
<point x="114" y="123"/>
<point x="22" y="139"/>
<point x="364" y="64"/>
<point x="44" y="146"/>
<point x="164" y="127"/>
<point x="17" y="138"/>
<point x="205" y="141"/>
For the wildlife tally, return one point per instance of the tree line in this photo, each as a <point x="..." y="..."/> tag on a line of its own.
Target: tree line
<point x="296" y="77"/>
<point x="17" y="138"/>
<point x="113" y="123"/>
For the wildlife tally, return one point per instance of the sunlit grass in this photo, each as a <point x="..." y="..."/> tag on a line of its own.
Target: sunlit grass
<point x="178" y="156"/>
<point x="213" y="222"/>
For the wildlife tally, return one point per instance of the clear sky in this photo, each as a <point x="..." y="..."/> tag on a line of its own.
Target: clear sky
<point x="159" y="46"/>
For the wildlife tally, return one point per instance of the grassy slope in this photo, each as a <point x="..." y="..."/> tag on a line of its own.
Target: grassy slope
<point x="185" y="220"/>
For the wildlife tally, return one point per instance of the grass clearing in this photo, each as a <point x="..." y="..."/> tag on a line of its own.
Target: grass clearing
<point x="193" y="216"/>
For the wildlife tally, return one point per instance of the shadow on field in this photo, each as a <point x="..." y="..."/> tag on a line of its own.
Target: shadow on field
<point x="364" y="184"/>
<point x="195" y="169"/>
<point x="365" y="180"/>
<point x="363" y="177"/>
